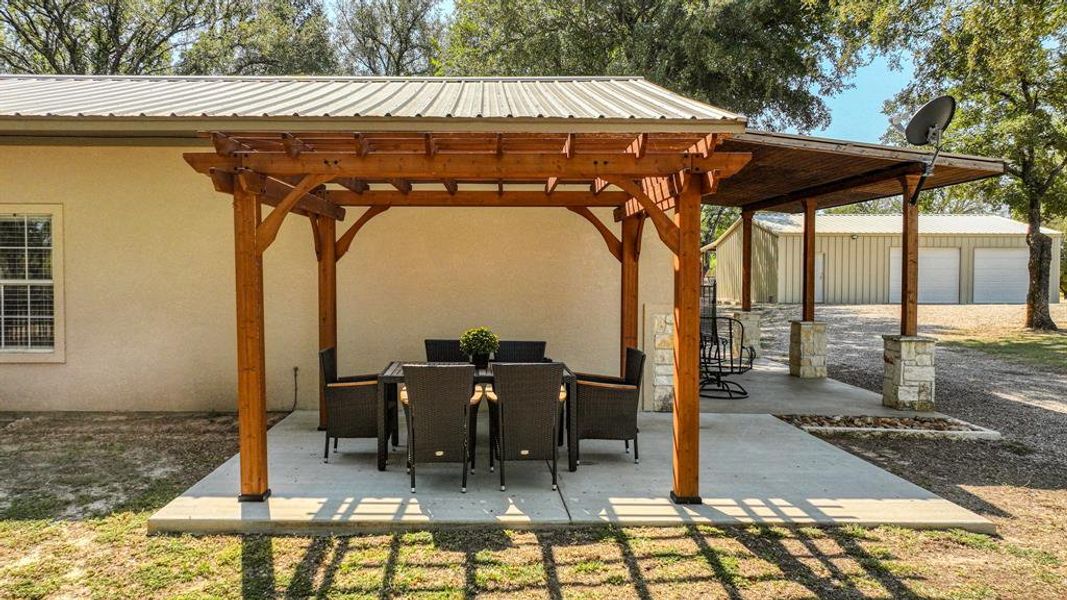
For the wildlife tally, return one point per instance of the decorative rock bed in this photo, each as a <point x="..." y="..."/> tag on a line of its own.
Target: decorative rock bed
<point x="907" y="426"/>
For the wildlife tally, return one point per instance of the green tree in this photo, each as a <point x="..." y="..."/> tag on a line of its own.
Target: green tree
<point x="773" y="60"/>
<point x="942" y="201"/>
<point x="389" y="37"/>
<point x="265" y="37"/>
<point x="100" y="36"/>
<point x="1004" y="61"/>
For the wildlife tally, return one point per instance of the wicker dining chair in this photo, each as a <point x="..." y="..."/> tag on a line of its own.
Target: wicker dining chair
<point x="527" y="403"/>
<point x="520" y="352"/>
<point x="607" y="406"/>
<point x="448" y="351"/>
<point x="445" y="351"/>
<point x="351" y="405"/>
<point x="437" y="401"/>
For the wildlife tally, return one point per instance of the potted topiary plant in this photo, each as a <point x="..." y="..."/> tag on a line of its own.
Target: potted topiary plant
<point x="478" y="343"/>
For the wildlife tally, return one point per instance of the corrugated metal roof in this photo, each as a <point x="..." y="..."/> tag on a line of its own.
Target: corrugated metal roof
<point x="569" y="98"/>
<point x="891" y="224"/>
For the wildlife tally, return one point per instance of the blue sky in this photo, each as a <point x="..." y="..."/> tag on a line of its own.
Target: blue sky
<point x="856" y="113"/>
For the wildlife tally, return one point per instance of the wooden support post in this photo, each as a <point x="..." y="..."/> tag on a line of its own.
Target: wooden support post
<point x="327" y="232"/>
<point x="808" y="309"/>
<point x="909" y="255"/>
<point x="746" y="260"/>
<point x="686" y="346"/>
<point x="631" y="244"/>
<point x="251" y="378"/>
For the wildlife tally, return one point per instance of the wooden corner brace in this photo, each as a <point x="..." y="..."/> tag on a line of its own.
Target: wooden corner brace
<point x="267" y="231"/>
<point x="614" y="245"/>
<point x="666" y="228"/>
<point x="345" y="241"/>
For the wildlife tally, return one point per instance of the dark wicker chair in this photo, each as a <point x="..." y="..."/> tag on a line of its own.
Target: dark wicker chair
<point x="448" y="351"/>
<point x="607" y="406"/>
<point x="723" y="353"/>
<point x="520" y="352"/>
<point x="351" y="404"/>
<point x="444" y="351"/>
<point x="527" y="402"/>
<point x="437" y="401"/>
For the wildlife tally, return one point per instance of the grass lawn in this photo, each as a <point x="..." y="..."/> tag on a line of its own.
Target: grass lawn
<point x="77" y="490"/>
<point x="1048" y="349"/>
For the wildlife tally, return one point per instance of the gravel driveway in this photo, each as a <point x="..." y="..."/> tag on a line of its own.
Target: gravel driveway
<point x="1021" y="480"/>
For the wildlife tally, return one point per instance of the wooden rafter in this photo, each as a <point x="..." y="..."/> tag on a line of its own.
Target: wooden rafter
<point x="294" y="146"/>
<point x="474" y="167"/>
<point x="568" y="146"/>
<point x="550" y="184"/>
<point x="431" y="146"/>
<point x="267" y="231"/>
<point x="356" y="185"/>
<point x="598" y="185"/>
<point x="450" y="186"/>
<point x="345" y="241"/>
<point x="422" y="197"/>
<point x="665" y="227"/>
<point x="402" y="185"/>
<point x="614" y="245"/>
<point x="893" y="172"/>
<point x="639" y="145"/>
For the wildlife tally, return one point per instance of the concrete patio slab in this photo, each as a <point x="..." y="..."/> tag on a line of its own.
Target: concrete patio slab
<point x="772" y="391"/>
<point x="754" y="469"/>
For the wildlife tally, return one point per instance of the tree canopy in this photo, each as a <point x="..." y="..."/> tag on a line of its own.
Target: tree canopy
<point x="264" y="37"/>
<point x="773" y="60"/>
<point x="389" y="37"/>
<point x="1004" y="60"/>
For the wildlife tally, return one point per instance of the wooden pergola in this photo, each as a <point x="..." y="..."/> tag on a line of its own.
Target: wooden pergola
<point x="654" y="175"/>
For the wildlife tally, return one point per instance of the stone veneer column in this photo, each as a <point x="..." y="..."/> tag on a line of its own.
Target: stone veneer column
<point x="750" y="321"/>
<point x="663" y="363"/>
<point x="908" y="378"/>
<point x="807" y="349"/>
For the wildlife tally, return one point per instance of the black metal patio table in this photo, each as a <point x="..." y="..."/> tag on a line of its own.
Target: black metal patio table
<point x="393" y="375"/>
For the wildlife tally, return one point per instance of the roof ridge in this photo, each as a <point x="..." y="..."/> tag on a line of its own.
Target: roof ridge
<point x="104" y="77"/>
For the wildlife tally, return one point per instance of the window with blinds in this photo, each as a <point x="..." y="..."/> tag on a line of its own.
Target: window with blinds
<point x="27" y="287"/>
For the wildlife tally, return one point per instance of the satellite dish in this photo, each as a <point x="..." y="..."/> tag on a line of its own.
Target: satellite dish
<point x="930" y="121"/>
<point x="925" y="129"/>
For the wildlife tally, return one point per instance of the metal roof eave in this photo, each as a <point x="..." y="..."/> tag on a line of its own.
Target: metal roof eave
<point x="188" y="127"/>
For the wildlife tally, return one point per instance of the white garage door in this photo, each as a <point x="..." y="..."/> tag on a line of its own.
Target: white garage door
<point x="939" y="275"/>
<point x="1000" y="275"/>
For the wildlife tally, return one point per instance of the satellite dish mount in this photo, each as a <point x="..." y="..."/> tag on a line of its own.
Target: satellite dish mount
<point x="926" y="128"/>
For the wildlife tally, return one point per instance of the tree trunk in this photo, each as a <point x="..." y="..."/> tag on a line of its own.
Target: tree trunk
<point x="1037" y="312"/>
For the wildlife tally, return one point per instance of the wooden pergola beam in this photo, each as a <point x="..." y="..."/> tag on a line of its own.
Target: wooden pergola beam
<point x="909" y="256"/>
<point x="613" y="243"/>
<point x="251" y="364"/>
<point x="515" y="198"/>
<point x="893" y="172"/>
<point x="630" y="245"/>
<point x="271" y="192"/>
<point x="687" y="280"/>
<point x="746" y="260"/>
<point x="808" y="276"/>
<point x="474" y="167"/>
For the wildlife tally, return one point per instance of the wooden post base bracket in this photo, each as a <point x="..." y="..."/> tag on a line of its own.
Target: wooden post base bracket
<point x="254" y="497"/>
<point x="685" y="499"/>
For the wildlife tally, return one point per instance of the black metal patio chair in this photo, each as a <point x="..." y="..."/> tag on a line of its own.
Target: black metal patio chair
<point x="723" y="353"/>
<point x="527" y="402"/>
<point x="351" y="405"/>
<point x="607" y="406"/>
<point x="437" y="401"/>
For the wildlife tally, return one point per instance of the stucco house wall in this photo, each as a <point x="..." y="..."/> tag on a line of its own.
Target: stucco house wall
<point x="149" y="285"/>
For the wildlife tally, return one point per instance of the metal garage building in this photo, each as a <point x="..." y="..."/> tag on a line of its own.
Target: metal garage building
<point x="963" y="259"/>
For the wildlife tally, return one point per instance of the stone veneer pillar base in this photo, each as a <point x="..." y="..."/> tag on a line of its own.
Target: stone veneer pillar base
<point x="750" y="321"/>
<point x="908" y="376"/>
<point x="807" y="349"/>
<point x="663" y="363"/>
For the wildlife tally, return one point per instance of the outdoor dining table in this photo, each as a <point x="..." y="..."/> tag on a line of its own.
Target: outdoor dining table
<point x="392" y="376"/>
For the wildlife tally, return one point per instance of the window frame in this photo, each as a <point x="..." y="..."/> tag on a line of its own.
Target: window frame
<point x="58" y="353"/>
